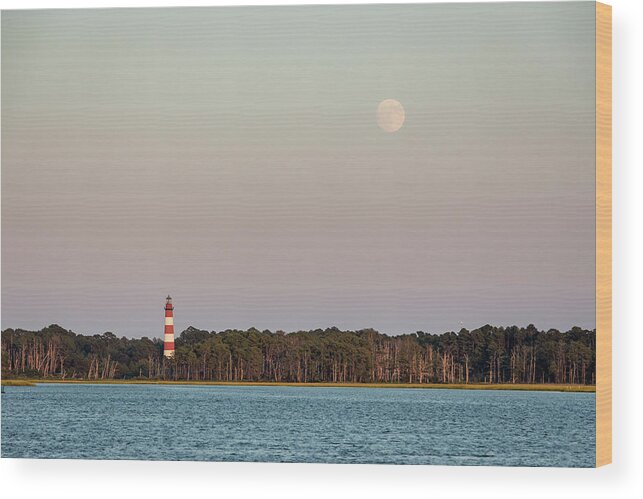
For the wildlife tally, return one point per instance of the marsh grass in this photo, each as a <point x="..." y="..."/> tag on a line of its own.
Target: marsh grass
<point x="471" y="386"/>
<point x="17" y="382"/>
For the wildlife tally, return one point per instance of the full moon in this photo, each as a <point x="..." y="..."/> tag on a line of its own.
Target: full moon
<point x="390" y="115"/>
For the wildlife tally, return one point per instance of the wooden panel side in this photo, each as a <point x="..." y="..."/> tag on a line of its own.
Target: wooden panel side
<point x="603" y="234"/>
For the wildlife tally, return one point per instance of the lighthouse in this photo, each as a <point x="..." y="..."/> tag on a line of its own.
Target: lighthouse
<point x="168" y="344"/>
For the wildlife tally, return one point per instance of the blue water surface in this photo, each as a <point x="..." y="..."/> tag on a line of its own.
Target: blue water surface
<point x="299" y="424"/>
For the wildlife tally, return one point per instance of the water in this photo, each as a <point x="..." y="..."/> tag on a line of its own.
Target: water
<point x="299" y="424"/>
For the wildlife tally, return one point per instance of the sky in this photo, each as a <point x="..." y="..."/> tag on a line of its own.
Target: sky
<point x="232" y="158"/>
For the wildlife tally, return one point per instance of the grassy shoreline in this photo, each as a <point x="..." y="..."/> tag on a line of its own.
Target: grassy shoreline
<point x="471" y="386"/>
<point x="18" y="382"/>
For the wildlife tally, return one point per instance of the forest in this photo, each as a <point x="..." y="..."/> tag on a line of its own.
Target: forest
<point x="485" y="355"/>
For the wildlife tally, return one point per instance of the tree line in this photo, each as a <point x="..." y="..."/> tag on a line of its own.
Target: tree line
<point x="485" y="355"/>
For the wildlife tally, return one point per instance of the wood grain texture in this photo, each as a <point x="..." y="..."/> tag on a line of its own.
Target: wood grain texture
<point x="603" y="234"/>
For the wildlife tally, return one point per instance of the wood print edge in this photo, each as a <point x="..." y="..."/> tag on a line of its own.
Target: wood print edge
<point x="603" y="234"/>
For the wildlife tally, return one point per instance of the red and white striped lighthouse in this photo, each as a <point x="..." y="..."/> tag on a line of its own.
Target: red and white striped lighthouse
<point x="168" y="344"/>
